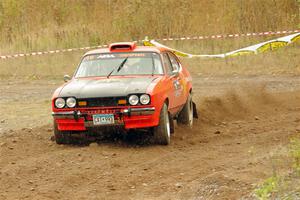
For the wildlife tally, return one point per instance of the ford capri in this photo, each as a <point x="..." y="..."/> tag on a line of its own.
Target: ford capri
<point x="126" y="86"/>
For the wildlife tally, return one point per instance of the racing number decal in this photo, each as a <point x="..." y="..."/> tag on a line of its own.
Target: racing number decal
<point x="176" y="84"/>
<point x="178" y="87"/>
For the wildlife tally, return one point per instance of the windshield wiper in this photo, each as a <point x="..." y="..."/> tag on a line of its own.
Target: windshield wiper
<point x="118" y="68"/>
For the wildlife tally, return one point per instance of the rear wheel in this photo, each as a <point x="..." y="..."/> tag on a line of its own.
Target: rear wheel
<point x="162" y="132"/>
<point x="186" y="114"/>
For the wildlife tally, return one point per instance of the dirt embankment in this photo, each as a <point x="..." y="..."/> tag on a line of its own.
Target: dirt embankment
<point x="224" y="156"/>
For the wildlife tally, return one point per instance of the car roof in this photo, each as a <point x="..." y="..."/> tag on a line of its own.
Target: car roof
<point x="134" y="49"/>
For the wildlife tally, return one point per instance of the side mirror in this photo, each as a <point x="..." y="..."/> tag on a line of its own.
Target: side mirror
<point x="175" y="73"/>
<point x="67" y="78"/>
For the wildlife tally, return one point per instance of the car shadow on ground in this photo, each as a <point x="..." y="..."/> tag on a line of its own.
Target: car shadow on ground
<point x="132" y="138"/>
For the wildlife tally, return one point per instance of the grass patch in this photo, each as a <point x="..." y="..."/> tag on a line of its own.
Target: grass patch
<point x="268" y="187"/>
<point x="295" y="154"/>
<point x="29" y="25"/>
<point x="285" y="186"/>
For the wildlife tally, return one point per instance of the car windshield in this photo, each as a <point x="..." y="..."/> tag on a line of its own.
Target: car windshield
<point x="110" y="64"/>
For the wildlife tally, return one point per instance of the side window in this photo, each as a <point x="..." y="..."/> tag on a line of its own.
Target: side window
<point x="174" y="62"/>
<point x="167" y="63"/>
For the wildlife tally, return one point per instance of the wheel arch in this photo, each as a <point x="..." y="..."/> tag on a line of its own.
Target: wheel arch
<point x="167" y="101"/>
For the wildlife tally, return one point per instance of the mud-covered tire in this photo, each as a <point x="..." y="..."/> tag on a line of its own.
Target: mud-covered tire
<point x="61" y="137"/>
<point x="162" y="132"/>
<point x="186" y="114"/>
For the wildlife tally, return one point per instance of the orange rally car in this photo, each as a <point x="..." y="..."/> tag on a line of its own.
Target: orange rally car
<point x="125" y="86"/>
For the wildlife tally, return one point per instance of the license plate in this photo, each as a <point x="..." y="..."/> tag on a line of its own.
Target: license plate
<point x="103" y="119"/>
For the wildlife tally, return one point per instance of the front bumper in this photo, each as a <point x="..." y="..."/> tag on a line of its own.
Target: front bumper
<point x="80" y="120"/>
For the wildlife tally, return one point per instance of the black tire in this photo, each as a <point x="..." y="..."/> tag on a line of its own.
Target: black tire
<point x="61" y="137"/>
<point x="162" y="132"/>
<point x="172" y="125"/>
<point x="186" y="114"/>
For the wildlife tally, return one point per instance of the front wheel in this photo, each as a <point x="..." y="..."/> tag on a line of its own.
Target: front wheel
<point x="61" y="137"/>
<point x="162" y="132"/>
<point x="186" y="114"/>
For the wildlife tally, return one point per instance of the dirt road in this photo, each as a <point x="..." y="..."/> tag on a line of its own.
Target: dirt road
<point x="243" y="122"/>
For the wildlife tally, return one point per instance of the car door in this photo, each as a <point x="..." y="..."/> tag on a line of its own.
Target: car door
<point x="179" y="80"/>
<point x="173" y="84"/>
<point x="168" y="85"/>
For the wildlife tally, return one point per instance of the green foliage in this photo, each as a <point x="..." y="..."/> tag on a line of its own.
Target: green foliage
<point x="270" y="186"/>
<point x="295" y="154"/>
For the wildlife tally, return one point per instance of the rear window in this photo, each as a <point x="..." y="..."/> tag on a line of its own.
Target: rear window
<point x="118" y="64"/>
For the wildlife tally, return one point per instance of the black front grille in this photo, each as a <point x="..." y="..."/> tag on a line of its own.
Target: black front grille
<point x="101" y="102"/>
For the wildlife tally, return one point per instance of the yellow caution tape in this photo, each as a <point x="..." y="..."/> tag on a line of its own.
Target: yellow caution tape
<point x="254" y="49"/>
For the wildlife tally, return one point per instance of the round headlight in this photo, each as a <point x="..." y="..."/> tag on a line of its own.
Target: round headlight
<point x="71" y="102"/>
<point x="133" y="100"/>
<point x="145" y="99"/>
<point x="60" y="103"/>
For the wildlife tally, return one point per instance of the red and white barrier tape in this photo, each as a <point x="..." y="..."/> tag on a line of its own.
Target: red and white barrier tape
<point x="162" y="39"/>
<point x="220" y="36"/>
<point x="50" y="52"/>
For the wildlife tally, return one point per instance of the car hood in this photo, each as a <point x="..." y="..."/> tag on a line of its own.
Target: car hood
<point x="105" y="87"/>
